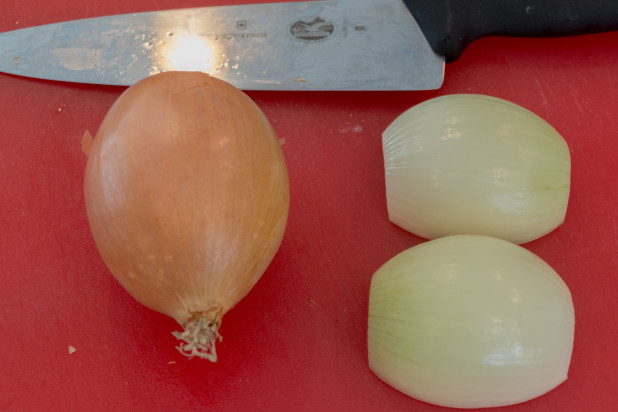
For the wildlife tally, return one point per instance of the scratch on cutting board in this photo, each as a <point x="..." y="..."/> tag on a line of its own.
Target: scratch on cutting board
<point x="575" y="98"/>
<point x="294" y="369"/>
<point x="352" y="129"/>
<point x="538" y="83"/>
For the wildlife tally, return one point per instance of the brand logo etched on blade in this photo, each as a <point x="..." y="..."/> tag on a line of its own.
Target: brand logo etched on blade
<point x="312" y="30"/>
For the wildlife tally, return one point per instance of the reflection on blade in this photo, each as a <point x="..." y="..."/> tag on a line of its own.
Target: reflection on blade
<point x="188" y="52"/>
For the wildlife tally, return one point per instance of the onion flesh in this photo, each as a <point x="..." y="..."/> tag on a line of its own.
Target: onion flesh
<point x="187" y="197"/>
<point x="475" y="164"/>
<point x="470" y="321"/>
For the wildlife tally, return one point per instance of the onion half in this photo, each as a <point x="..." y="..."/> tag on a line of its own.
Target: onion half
<point x="187" y="196"/>
<point x="475" y="164"/>
<point x="470" y="321"/>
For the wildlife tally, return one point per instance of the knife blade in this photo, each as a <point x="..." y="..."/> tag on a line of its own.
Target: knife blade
<point x="306" y="45"/>
<point x="312" y="45"/>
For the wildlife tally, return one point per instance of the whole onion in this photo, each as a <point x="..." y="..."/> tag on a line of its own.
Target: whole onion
<point x="187" y="195"/>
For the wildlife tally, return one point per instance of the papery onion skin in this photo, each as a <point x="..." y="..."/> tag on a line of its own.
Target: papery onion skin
<point x="470" y="321"/>
<point x="475" y="164"/>
<point x="187" y="195"/>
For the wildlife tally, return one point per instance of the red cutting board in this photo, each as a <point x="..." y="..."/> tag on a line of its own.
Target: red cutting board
<point x="297" y="342"/>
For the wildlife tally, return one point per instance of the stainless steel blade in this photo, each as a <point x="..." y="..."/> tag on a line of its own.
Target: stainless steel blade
<point x="308" y="45"/>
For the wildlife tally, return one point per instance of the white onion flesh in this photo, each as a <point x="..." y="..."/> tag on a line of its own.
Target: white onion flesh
<point x="470" y="321"/>
<point x="475" y="164"/>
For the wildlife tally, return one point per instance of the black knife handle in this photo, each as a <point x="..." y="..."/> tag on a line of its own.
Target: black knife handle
<point x="450" y="25"/>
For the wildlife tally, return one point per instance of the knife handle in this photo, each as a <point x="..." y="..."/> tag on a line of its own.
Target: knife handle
<point x="451" y="25"/>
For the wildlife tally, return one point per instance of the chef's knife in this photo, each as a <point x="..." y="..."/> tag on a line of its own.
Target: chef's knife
<point x="305" y="45"/>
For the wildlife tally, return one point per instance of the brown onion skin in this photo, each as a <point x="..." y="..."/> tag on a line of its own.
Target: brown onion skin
<point x="187" y="194"/>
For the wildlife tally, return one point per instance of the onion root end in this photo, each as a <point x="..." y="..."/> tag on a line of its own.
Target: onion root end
<point x="199" y="337"/>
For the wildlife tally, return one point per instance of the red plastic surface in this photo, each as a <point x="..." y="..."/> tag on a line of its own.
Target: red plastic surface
<point x="297" y="342"/>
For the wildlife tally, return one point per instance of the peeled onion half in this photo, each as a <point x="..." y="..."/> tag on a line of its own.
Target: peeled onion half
<point x="470" y="321"/>
<point x="475" y="164"/>
<point x="187" y="196"/>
